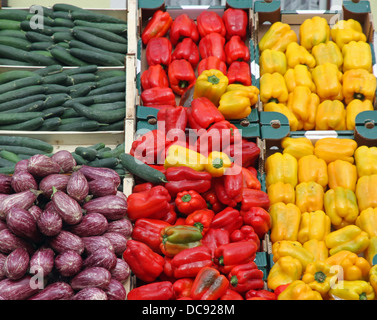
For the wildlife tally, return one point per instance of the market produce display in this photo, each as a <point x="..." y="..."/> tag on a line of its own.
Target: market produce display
<point x="68" y="35"/>
<point x="54" y="98"/>
<point x="320" y="78"/>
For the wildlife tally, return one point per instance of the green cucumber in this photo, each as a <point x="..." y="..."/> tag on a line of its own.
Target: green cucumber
<point x="140" y="169"/>
<point x="65" y="57"/>
<point x="31" y="107"/>
<point x="70" y="115"/>
<point x="28" y="142"/>
<point x="114" y="153"/>
<point x="79" y="159"/>
<point x="60" y="29"/>
<point x="56" y="100"/>
<point x="91" y="84"/>
<point x="5" y="163"/>
<point x="88" y="125"/>
<point x="37" y="37"/>
<point x="95" y="17"/>
<point x="53" y="112"/>
<point x="107" y="35"/>
<point x="41" y="45"/>
<point x="12" y="117"/>
<point x="116" y="126"/>
<point x="59" y="78"/>
<point x="115" y="87"/>
<point x="47" y="21"/>
<point x="104" y="163"/>
<point x="44" y="53"/>
<point x="7" y="170"/>
<point x="81" y="91"/>
<point x="10" y="156"/>
<point x="62" y="36"/>
<point x="55" y="88"/>
<point x="87" y="153"/>
<point x="71" y="120"/>
<point x="80" y="78"/>
<point x="99" y="42"/>
<point x="99" y="115"/>
<point x="111" y="80"/>
<point x="50" y="124"/>
<point x="98" y="146"/>
<point x="61" y="22"/>
<point x="64" y="45"/>
<point x="6" y="24"/>
<point x="40" y="59"/>
<point x="85" y="69"/>
<point x="65" y="7"/>
<point x="105" y="74"/>
<point x="46" y="30"/>
<point x="29" y="125"/>
<point x="14" y="54"/>
<point x="21" y="93"/>
<point x="15" y="43"/>
<point x="108" y="97"/>
<point x="13" y="14"/>
<point x="14" y="75"/>
<point x="13" y="33"/>
<point x="11" y="62"/>
<point x="19" y="103"/>
<point x="21" y="83"/>
<point x="22" y="150"/>
<point x="95" y="57"/>
<point x="62" y="14"/>
<point x="49" y="70"/>
<point x="117" y="28"/>
<point x="109" y="106"/>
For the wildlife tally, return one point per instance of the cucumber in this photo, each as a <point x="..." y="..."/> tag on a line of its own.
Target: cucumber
<point x="47" y="21"/>
<point x="98" y="42"/>
<point x="56" y="100"/>
<point x="11" y="62"/>
<point x="40" y="59"/>
<point x="112" y="27"/>
<point x="116" y="126"/>
<point x="22" y="150"/>
<point x="13" y="33"/>
<point x="46" y="12"/>
<point x="7" y="170"/>
<point x="86" y="69"/>
<point x="19" y="103"/>
<point x="53" y="112"/>
<point x="98" y="146"/>
<point x="28" y="142"/>
<point x="42" y="45"/>
<point x="21" y="93"/>
<point x="71" y="120"/>
<point x="111" y="80"/>
<point x="61" y="22"/>
<point x="31" y="107"/>
<point x="21" y="83"/>
<point x="62" y="36"/>
<point x="44" y="53"/>
<point x="95" y="17"/>
<point x="81" y="91"/>
<point x="59" y="78"/>
<point x="108" y="106"/>
<point x="6" y="24"/>
<point x="80" y="78"/>
<point x="13" y="42"/>
<point x="50" y="124"/>
<point x="114" y="153"/>
<point x="29" y="125"/>
<point x="140" y="169"/>
<point x="55" y="88"/>
<point x="110" y="74"/>
<point x="115" y="87"/>
<point x="95" y="57"/>
<point x="65" y="7"/>
<point x="91" y="84"/>
<point x="99" y="115"/>
<point x="87" y="153"/>
<point x="70" y="115"/>
<point x="88" y="125"/>
<point x="79" y="159"/>
<point x="49" y="70"/>
<point x="64" y="45"/>
<point x="10" y="156"/>
<point x="60" y="29"/>
<point x="107" y="35"/>
<point x="5" y="163"/>
<point x="108" y="97"/>
<point x="61" y="14"/>
<point x="14" y="14"/>
<point x="12" y="117"/>
<point x="14" y="75"/>
<point x="38" y="37"/>
<point x="46" y="30"/>
<point x="104" y="163"/>
<point x="14" y="54"/>
<point x="65" y="57"/>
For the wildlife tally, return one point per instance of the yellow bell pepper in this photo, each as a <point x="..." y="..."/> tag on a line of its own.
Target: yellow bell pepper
<point x="297" y="147"/>
<point x="342" y="174"/>
<point x="218" y="163"/>
<point x="281" y="167"/>
<point x="281" y="192"/>
<point x="299" y="55"/>
<point x="345" y="31"/>
<point x="371" y="251"/>
<point x="328" y="53"/>
<point x="328" y="81"/>
<point x="273" y="88"/>
<point x="357" y="55"/>
<point x="317" y="248"/>
<point x="353" y="267"/>
<point x="309" y="196"/>
<point x="211" y="84"/>
<point x="313" y="225"/>
<point x="251" y="92"/>
<point x="293" y="249"/>
<point x="180" y="156"/>
<point x="359" y="84"/>
<point x="373" y="278"/>
<point x="277" y="37"/>
<point x="352" y="290"/>
<point x="303" y="103"/>
<point x="235" y="104"/>
<point x="366" y="160"/>
<point x="271" y="61"/>
<point x="285" y="221"/>
<point x="350" y="238"/>
<point x="341" y="206"/>
<point x="366" y="189"/>
<point x="299" y="75"/>
<point x="331" y="149"/>
<point x="311" y="168"/>
<point x="282" y="108"/>
<point x="299" y="290"/>
<point x="286" y="270"/>
<point x="320" y="276"/>
<point x="367" y="221"/>
<point x="314" y="31"/>
<point x="331" y="115"/>
<point x="354" y="108"/>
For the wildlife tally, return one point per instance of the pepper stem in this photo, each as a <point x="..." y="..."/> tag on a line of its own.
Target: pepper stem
<point x="217" y="163"/>
<point x="363" y="296"/>
<point x="234" y="281"/>
<point x="213" y="79"/>
<point x="320" y="277"/>
<point x="221" y="261"/>
<point x="359" y="96"/>
<point x="183" y="84"/>
<point x="273" y="100"/>
<point x="186" y="198"/>
<point x="199" y="225"/>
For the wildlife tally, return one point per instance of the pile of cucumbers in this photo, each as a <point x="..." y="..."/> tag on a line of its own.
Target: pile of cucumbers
<point x="64" y="34"/>
<point x="54" y="98"/>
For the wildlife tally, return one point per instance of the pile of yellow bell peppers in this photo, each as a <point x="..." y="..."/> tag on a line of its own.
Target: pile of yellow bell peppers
<point x="323" y="197"/>
<point x="319" y="79"/>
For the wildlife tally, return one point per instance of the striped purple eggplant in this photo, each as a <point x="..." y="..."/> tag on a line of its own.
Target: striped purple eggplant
<point x="41" y="166"/>
<point x="91" y="293"/>
<point x="24" y="200"/>
<point x="66" y="240"/>
<point x="21" y="165"/>
<point x="59" y="181"/>
<point x="22" y="181"/>
<point x="42" y="261"/>
<point x="123" y="226"/>
<point x="112" y="207"/>
<point x="78" y="186"/>
<point x="118" y="241"/>
<point x="65" y="160"/>
<point x="94" y="243"/>
<point x="68" y="208"/>
<point x="93" y="173"/>
<point x="68" y="263"/>
<point x="5" y="184"/>
<point x="92" y="224"/>
<point x="122" y="270"/>
<point x="21" y="289"/>
<point x="16" y="264"/>
<point x="91" y="277"/>
<point x="22" y="224"/>
<point x="55" y="291"/>
<point x="35" y="211"/>
<point x="102" y="187"/>
<point x="116" y="290"/>
<point x="9" y="242"/>
<point x="49" y="222"/>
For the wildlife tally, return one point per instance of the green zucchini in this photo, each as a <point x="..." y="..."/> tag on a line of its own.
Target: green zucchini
<point x="80" y="78"/>
<point x="28" y="142"/>
<point x="61" y="22"/>
<point x="62" y="36"/>
<point x="49" y="70"/>
<point x="21" y="83"/>
<point x="53" y="112"/>
<point x="59" y="78"/>
<point x="99" y="115"/>
<point x="104" y="163"/>
<point x="15" y="42"/>
<point x="65" y="57"/>
<point x="21" y="93"/>
<point x="31" y="107"/>
<point x="29" y="125"/>
<point x="38" y="37"/>
<point x="87" y="153"/>
<point x="112" y="27"/>
<point x="56" y="100"/>
<point x="11" y="62"/>
<point x="12" y="117"/>
<point x="116" y="126"/>
<point x="41" y="45"/>
<point x="6" y="24"/>
<point x="111" y="80"/>
<point x="79" y="159"/>
<point x="95" y="17"/>
<point x="115" y="87"/>
<point x="110" y="74"/>
<point x="14" y="75"/>
<point x="107" y="35"/>
<point x="85" y="69"/>
<point x="18" y="103"/>
<point x="50" y="124"/>
<point x="13" y="33"/>
<point x="140" y="169"/>
<point x="10" y="156"/>
<point x="55" y="88"/>
<point x="99" y="42"/>
<point x="114" y="153"/>
<point x="95" y="57"/>
<point x="14" y="14"/>
<point x="22" y="150"/>
<point x="88" y="125"/>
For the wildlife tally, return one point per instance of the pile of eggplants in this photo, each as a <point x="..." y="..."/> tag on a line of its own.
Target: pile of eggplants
<point x="63" y="229"/>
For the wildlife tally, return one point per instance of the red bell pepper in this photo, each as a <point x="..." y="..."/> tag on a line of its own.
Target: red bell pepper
<point x="203" y="113"/>
<point x="210" y="22"/>
<point x="162" y="290"/>
<point x="209" y="284"/>
<point x="212" y="45"/>
<point x="170" y="216"/>
<point x="236" y="22"/>
<point x="189" y="201"/>
<point x="181" y="75"/>
<point x="239" y="72"/>
<point x="148" y="231"/>
<point x="229" y="189"/>
<point x="154" y="76"/>
<point x="157" y="26"/>
<point x="172" y="119"/>
<point x="245" y="233"/>
<point x="268" y="295"/>
<point x="229" y="219"/>
<point x="213" y="202"/>
<point x="153" y="204"/>
<point x="183" y="27"/>
<point x="215" y="238"/>
<point x="187" y="50"/>
<point x="236" y="50"/>
<point x="227" y="256"/>
<point x="180" y="221"/>
<point x="280" y="289"/>
<point x="189" y="262"/>
<point x="247" y="153"/>
<point x="158" y="96"/>
<point x="159" y="51"/>
<point x="182" y="287"/>
<point x="259" y="219"/>
<point x="146" y="264"/>
<point x="254" y="198"/>
<point x="212" y="62"/>
<point x="142" y="187"/>
<point x="250" y="180"/>
<point x="245" y="277"/>
<point x="201" y="219"/>
<point x="231" y="295"/>
<point x="186" y="178"/>
<point x="167" y="273"/>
